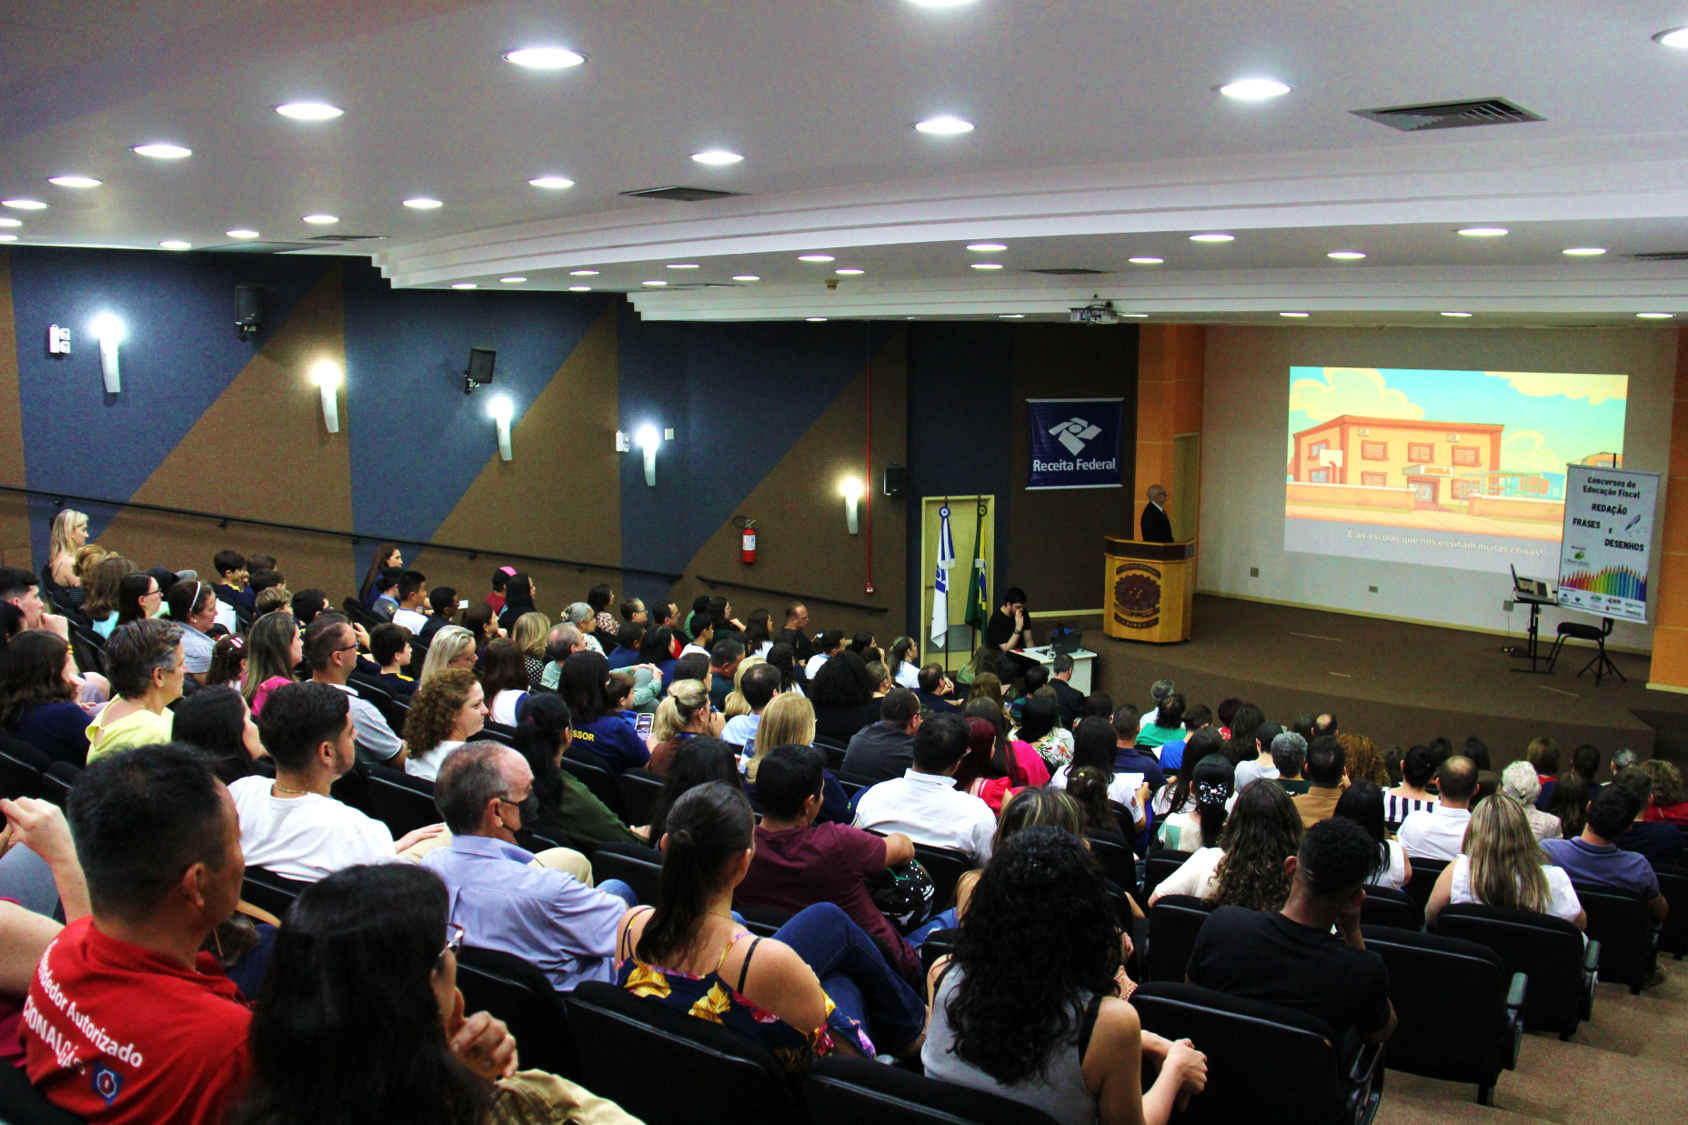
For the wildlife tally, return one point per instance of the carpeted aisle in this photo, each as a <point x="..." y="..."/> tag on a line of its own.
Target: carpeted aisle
<point x="1628" y="1065"/>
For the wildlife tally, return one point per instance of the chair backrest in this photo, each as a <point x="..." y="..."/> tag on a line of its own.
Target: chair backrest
<point x="23" y="1104"/>
<point x="710" y="1074"/>
<point x="1158" y="866"/>
<point x="402" y="802"/>
<point x="354" y="609"/>
<point x="634" y="864"/>
<point x="946" y="868"/>
<point x="1546" y="949"/>
<point x="21" y="767"/>
<point x="1250" y="1047"/>
<point x="352" y="789"/>
<point x="640" y="789"/>
<point x="497" y="732"/>
<point x="1623" y="925"/>
<point x="58" y="781"/>
<point x="270" y="891"/>
<point x="762" y="920"/>
<point x="1386" y="906"/>
<point x="938" y="943"/>
<point x="843" y="1091"/>
<point x="1431" y="978"/>
<point x="1425" y="874"/>
<point x="89" y="649"/>
<point x="1174" y="922"/>
<point x="597" y="779"/>
<point x="520" y="995"/>
<point x="1118" y="862"/>
<point x="1673" y="884"/>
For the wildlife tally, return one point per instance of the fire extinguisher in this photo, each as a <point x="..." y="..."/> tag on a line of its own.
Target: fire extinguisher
<point x="748" y="553"/>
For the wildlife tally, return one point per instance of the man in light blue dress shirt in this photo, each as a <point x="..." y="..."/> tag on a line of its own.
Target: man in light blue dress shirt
<point x="499" y="895"/>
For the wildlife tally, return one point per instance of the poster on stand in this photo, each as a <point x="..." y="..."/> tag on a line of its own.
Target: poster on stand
<point x="1607" y="541"/>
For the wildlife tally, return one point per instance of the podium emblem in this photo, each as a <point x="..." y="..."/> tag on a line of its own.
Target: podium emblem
<point x="1137" y="595"/>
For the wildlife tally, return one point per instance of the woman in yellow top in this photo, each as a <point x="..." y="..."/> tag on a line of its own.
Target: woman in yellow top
<point x="144" y="663"/>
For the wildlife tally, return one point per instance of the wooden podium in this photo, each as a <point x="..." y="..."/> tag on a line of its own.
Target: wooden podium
<point x="1149" y="589"/>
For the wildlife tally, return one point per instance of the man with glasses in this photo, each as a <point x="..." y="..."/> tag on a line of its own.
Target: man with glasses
<point x="331" y="649"/>
<point x="500" y="893"/>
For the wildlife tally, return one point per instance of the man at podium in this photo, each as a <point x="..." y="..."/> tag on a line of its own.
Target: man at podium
<point x="1155" y="526"/>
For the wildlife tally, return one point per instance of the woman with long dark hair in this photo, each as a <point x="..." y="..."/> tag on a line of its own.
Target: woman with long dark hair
<point x="1094" y="744"/>
<point x="504" y="680"/>
<point x="1570" y="803"/>
<point x="1198" y="806"/>
<point x="138" y="597"/>
<point x="657" y="649"/>
<point x="38" y="696"/>
<point x="1261" y="833"/>
<point x="565" y="804"/>
<point x="1362" y="802"/>
<point x="1040" y="728"/>
<point x="1245" y="723"/>
<point x="1418" y="766"/>
<point x="597" y="725"/>
<point x="1028" y="1009"/>
<point x="518" y="599"/>
<point x="842" y="692"/>
<point x="996" y="765"/>
<point x="759" y="633"/>
<point x="784" y="657"/>
<point x="689" y="954"/>
<point x="360" y="1022"/>
<point x="903" y="660"/>
<point x="387" y="557"/>
<point x="697" y="762"/>
<point x="598" y="598"/>
<point x="217" y="723"/>
<point x="104" y="582"/>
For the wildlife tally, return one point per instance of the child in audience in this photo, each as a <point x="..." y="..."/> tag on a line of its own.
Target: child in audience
<point x="1198" y="806"/>
<point x="389" y="648"/>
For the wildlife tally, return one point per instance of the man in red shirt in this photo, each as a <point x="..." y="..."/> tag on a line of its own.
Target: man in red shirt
<point x="126" y="1020"/>
<point x="799" y="863"/>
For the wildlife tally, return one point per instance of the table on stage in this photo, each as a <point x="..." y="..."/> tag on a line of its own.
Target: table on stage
<point x="1148" y="590"/>
<point x="1531" y="650"/>
<point x="1083" y="660"/>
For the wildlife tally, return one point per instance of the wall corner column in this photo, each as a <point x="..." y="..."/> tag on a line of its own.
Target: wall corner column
<point x="1171" y="360"/>
<point x="1670" y="608"/>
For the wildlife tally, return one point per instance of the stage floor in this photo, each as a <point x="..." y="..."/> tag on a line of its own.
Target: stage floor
<point x="1396" y="682"/>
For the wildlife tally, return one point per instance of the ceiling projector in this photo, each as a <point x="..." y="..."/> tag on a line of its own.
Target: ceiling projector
<point x="1097" y="312"/>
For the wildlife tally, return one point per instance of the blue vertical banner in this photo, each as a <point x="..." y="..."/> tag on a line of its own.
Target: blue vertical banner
<point x="1075" y="442"/>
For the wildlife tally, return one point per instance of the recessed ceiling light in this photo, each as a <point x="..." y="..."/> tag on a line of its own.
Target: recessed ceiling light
<point x="746" y="277"/>
<point x="1674" y="37"/>
<point x="583" y="273"/>
<point x="945" y="126"/>
<point x="552" y="182"/>
<point x="1292" y="314"/>
<point x="422" y="203"/>
<point x="1483" y="232"/>
<point x="1655" y="316"/>
<point x="1254" y="89"/>
<point x="1012" y="316"/>
<point x="512" y="280"/>
<point x="241" y="232"/>
<point x="716" y="156"/>
<point x="544" y="58"/>
<point x="814" y="319"/>
<point x="580" y="289"/>
<point x="1585" y="251"/>
<point x="1215" y="237"/>
<point x="175" y="244"/>
<point x="162" y="151"/>
<point x="74" y="181"/>
<point x="8" y="221"/>
<point x="1146" y="261"/>
<point x="322" y="220"/>
<point x="816" y="258"/>
<point x="939" y="4"/>
<point x="986" y="247"/>
<point x="462" y="285"/>
<point x="1345" y="255"/>
<point x="8" y="238"/>
<point x="1456" y="314"/>
<point x="309" y="111"/>
<point x="987" y="265"/>
<point x="653" y="283"/>
<point x="682" y="265"/>
<point x="24" y="204"/>
<point x="849" y="272"/>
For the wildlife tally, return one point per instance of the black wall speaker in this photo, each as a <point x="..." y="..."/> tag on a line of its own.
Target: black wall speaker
<point x="896" y="480"/>
<point x="248" y="309"/>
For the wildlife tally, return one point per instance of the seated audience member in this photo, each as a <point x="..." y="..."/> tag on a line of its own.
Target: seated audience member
<point x="1585" y="763"/>
<point x="1669" y="803"/>
<point x="684" y="713"/>
<point x="1656" y="841"/>
<point x="987" y="686"/>
<point x="1088" y="786"/>
<point x="500" y="585"/>
<point x="331" y="649"/>
<point x="390" y="651"/>
<point x="1167" y="723"/>
<point x="193" y="606"/>
<point x="274" y="648"/>
<point x="217" y="723"/>
<point x="360" y="1019"/>
<point x="1068" y="698"/>
<point x="412" y="594"/>
<point x="499" y="895"/>
<point x="842" y="692"/>
<point x="599" y="598"/>
<point x="446" y="712"/>
<point x="1158" y="691"/>
<point x="567" y="808"/>
<point x="759" y="633"/>
<point x="1417" y="768"/>
<point x="799" y="862"/>
<point x="1365" y="760"/>
<point x="790" y="721"/>
<point x="935" y="689"/>
<point x="702" y="628"/>
<point x="724" y="657"/>
<point x="1290" y="957"/>
<point x="504" y="681"/>
<point x="482" y="625"/>
<point x="386" y="558"/>
<point x="688" y="953"/>
<point x="1262" y="830"/>
<point x="923" y="804"/>
<point x="228" y="662"/>
<point x="38" y="696"/>
<point x="796" y="633"/>
<point x="1198" y="805"/>
<point x="1569" y="804"/>
<point x="292" y="826"/>
<point x="139" y="597"/>
<point x="580" y="615"/>
<point x="144" y="664"/>
<point x="1193" y="749"/>
<point x="519" y="593"/>
<point x="1439" y="832"/>
<point x="1543" y="754"/>
<point x="656" y="648"/>
<point x="1504" y="865"/>
<point x="598" y="727"/>
<point x="883" y="750"/>
<point x="1594" y="858"/>
<point x="1289" y="758"/>
<point x="826" y="645"/>
<point x="25" y="935"/>
<point x="1094" y="745"/>
<point x="531" y="634"/>
<point x="1262" y="765"/>
<point x="1326" y="770"/>
<point x="1127" y="757"/>
<point x="879" y="675"/>
<point x="266" y="579"/>
<point x="232" y="574"/>
<point x="633" y="609"/>
<point x="273" y="599"/>
<point x="1362" y="802"/>
<point x="903" y="659"/>
<point x="996" y="766"/>
<point x="562" y="642"/>
<point x="1040" y="728"/>
<point x="757" y="686"/>
<point x="1061" y="1040"/>
<point x="1242" y="743"/>
<point x="1519" y="781"/>
<point x="69" y="535"/>
<point x="1032" y="807"/>
<point x="442" y="607"/>
<point x="127" y="1020"/>
<point x="104" y="586"/>
<point x="697" y="762"/>
<point x="628" y="639"/>
<point x="306" y="604"/>
<point x="1324" y="727"/>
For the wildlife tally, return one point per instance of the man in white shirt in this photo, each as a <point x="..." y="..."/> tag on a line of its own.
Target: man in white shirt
<point x="1439" y="833"/>
<point x="924" y="804"/>
<point x="291" y="826"/>
<point x="827" y="644"/>
<point x="331" y="649"/>
<point x="412" y="612"/>
<point x="759" y="685"/>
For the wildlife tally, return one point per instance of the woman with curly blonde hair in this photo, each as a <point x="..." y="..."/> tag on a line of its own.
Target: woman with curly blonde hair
<point x="445" y="712"/>
<point x="1364" y="760"/>
<point x="1263" y="830"/>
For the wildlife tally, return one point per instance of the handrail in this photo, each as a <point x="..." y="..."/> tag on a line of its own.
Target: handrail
<point x="804" y="598"/>
<point x="355" y="536"/>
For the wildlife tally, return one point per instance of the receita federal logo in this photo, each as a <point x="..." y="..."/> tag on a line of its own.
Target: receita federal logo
<point x="1074" y="433"/>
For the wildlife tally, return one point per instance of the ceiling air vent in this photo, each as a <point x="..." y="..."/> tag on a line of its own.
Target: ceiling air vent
<point x="1662" y="256"/>
<point x="1068" y="271"/>
<point x="682" y="194"/>
<point x="259" y="247"/>
<point x="1450" y="115"/>
<point x="347" y="237"/>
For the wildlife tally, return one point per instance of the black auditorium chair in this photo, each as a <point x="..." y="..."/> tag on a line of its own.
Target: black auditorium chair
<point x="638" y="866"/>
<point x="269" y="891"/>
<point x="58" y="781"/>
<point x="497" y="732"/>
<point x="352" y="789"/>
<point x="938" y="943"/>
<point x="1547" y="950"/>
<point x="593" y="775"/>
<point x="1174" y="922"/>
<point x="843" y="1091"/>
<point x="1431" y="978"/>
<point x="834" y="750"/>
<point x="1425" y="874"/>
<point x="21" y="767"/>
<point x="23" y="1104"/>
<point x="1386" y="906"/>
<point x="1628" y="936"/>
<point x="1118" y="863"/>
<point x="1673" y="884"/>
<point x="946" y="867"/>
<point x="762" y="920"/>
<point x="1157" y="867"/>
<point x="640" y="789"/>
<point x="519" y="994"/>
<point x="711" y="1075"/>
<point x="402" y="802"/>
<point x="356" y="610"/>
<point x="1250" y="1047"/>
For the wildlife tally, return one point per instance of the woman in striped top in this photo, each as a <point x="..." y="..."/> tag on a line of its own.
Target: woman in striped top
<point x="1417" y="768"/>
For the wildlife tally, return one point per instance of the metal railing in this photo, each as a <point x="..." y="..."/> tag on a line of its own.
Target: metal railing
<point x="804" y="598"/>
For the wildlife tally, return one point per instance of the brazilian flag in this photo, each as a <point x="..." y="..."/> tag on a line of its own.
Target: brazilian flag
<point x="978" y="587"/>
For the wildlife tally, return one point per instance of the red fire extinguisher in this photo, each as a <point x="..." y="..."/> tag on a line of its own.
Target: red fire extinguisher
<point x="749" y="547"/>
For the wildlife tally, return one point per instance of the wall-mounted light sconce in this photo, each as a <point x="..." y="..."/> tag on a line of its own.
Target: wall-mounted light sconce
<point x="649" y="439"/>
<point x="326" y="375"/>
<point x="851" y="489"/>
<point x="501" y="410"/>
<point x="108" y="330"/>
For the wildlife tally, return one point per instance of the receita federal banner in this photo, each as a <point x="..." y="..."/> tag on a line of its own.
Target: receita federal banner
<point x="1075" y="442"/>
<point x="1607" y="541"/>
